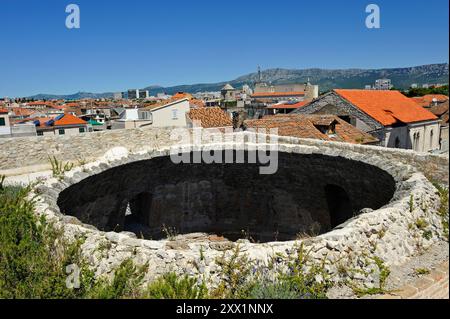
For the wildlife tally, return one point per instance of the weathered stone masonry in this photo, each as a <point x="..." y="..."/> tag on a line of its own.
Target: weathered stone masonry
<point x="30" y="154"/>
<point x="225" y="199"/>
<point x="384" y="231"/>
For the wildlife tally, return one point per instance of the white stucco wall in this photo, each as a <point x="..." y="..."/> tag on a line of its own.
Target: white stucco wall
<point x="73" y="131"/>
<point x="429" y="134"/>
<point x="160" y="117"/>
<point x="405" y="134"/>
<point x="5" y="129"/>
<point x="164" y="117"/>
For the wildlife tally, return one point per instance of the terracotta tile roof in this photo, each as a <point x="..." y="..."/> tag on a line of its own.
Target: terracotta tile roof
<point x="19" y="111"/>
<point x="387" y="107"/>
<point x="439" y="109"/>
<point x="39" y="103"/>
<point x="182" y="95"/>
<point x="427" y="100"/>
<point x="277" y="94"/>
<point x="210" y="117"/>
<point x="152" y="106"/>
<point x="442" y="111"/>
<point x="3" y="111"/>
<point x="61" y="120"/>
<point x="40" y="121"/>
<point x="69" y="119"/>
<point x="306" y="126"/>
<point x="288" y="105"/>
<point x="196" y="103"/>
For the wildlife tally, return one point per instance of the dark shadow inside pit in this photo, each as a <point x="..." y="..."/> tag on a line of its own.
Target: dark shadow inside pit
<point x="308" y="195"/>
<point x="338" y="204"/>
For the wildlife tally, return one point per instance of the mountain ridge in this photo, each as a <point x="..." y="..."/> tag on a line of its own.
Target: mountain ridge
<point x="327" y="79"/>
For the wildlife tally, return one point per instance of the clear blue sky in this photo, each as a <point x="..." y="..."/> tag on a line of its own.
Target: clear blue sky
<point x="133" y="44"/>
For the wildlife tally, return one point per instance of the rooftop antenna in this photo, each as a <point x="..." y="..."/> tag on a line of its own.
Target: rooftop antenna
<point x="259" y="74"/>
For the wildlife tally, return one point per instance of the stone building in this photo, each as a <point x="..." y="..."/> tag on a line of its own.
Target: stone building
<point x="320" y="127"/>
<point x="276" y="93"/>
<point x="391" y="117"/>
<point x="63" y="125"/>
<point x="442" y="112"/>
<point x="165" y="114"/>
<point x="228" y="93"/>
<point x="430" y="100"/>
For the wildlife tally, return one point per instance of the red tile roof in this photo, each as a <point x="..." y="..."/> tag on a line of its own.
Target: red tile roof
<point x="38" y="103"/>
<point x="306" y="126"/>
<point x="3" y="111"/>
<point x="18" y="111"/>
<point x="387" y="107"/>
<point x="442" y="111"/>
<point x="61" y="120"/>
<point x="427" y="100"/>
<point x="196" y="103"/>
<point x="69" y="119"/>
<point x="182" y="95"/>
<point x="210" y="117"/>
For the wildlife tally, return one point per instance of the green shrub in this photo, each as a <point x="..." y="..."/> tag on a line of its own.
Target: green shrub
<point x="422" y="271"/>
<point x="170" y="286"/>
<point x="421" y="223"/>
<point x="443" y="209"/>
<point x="235" y="273"/>
<point x="34" y="257"/>
<point x="126" y="283"/>
<point x="308" y="279"/>
<point x="30" y="264"/>
<point x="58" y="167"/>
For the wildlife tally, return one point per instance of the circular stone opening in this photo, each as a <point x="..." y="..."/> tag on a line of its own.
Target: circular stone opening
<point x="308" y="195"/>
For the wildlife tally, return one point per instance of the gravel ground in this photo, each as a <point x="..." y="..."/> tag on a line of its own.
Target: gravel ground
<point x="406" y="273"/>
<point x="403" y="274"/>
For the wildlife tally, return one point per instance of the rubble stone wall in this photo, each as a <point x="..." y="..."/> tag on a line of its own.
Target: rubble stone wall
<point x="30" y="154"/>
<point x="387" y="232"/>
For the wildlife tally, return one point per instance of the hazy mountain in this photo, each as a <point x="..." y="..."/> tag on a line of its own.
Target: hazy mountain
<point x="76" y="96"/>
<point x="326" y="79"/>
<point x="330" y="79"/>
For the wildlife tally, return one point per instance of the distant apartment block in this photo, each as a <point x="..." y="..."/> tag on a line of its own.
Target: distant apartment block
<point x="138" y="94"/>
<point x="133" y="94"/>
<point x="144" y="94"/>
<point x="383" y="84"/>
<point x="380" y="84"/>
